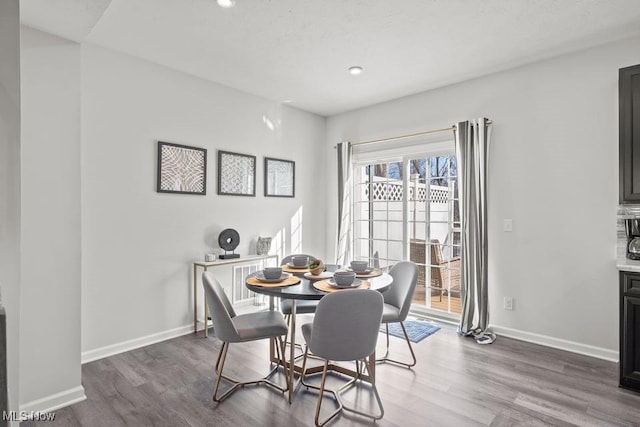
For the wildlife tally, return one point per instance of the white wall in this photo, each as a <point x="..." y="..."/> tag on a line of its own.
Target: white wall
<point x="10" y="187"/>
<point x="50" y="239"/>
<point x="555" y="143"/>
<point x="137" y="244"/>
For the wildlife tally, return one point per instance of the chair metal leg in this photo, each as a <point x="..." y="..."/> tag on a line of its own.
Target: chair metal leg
<point x="337" y="393"/>
<point x="386" y="359"/>
<point x="306" y="355"/>
<point x="386" y="352"/>
<point x="239" y="384"/>
<point x="286" y="337"/>
<point x="373" y="388"/>
<point x="280" y="353"/>
<point x="319" y="404"/>
<point x="220" y="353"/>
<point x="304" y="367"/>
<point x="219" y="367"/>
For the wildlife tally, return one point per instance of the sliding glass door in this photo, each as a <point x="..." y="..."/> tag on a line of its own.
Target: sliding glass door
<point x="379" y="214"/>
<point x="406" y="208"/>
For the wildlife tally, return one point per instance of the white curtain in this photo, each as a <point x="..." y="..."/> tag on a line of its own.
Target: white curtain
<point x="343" y="251"/>
<point x="472" y="151"/>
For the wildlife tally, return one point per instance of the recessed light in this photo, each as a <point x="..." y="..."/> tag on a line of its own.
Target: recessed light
<point x="354" y="71"/>
<point x="226" y="3"/>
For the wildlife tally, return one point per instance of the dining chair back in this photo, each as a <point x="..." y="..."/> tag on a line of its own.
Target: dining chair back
<point x="220" y="309"/>
<point x="346" y="325"/>
<point x="232" y="328"/>
<point x="344" y="328"/>
<point x="302" y="307"/>
<point x="397" y="302"/>
<point x="331" y="267"/>
<point x="400" y="294"/>
<point x="289" y="258"/>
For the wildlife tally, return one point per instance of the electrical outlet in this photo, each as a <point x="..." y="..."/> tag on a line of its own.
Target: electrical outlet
<point x="507" y="303"/>
<point x="507" y="225"/>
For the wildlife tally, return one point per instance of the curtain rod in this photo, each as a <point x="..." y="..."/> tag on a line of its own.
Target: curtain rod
<point x="393" y="138"/>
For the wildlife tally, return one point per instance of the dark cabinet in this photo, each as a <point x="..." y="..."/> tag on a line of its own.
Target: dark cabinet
<point x="629" y="115"/>
<point x="630" y="330"/>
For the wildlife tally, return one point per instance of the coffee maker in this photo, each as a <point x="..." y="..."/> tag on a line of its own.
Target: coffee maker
<point x="632" y="227"/>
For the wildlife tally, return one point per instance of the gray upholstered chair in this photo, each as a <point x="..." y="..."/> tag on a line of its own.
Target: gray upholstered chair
<point x="331" y="267"/>
<point x="397" y="301"/>
<point x="344" y="328"/>
<point x="231" y="328"/>
<point x="302" y="306"/>
<point x="289" y="258"/>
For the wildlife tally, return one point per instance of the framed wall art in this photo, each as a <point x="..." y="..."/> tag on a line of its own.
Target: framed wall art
<point x="181" y="169"/>
<point x="279" y="178"/>
<point x="236" y="174"/>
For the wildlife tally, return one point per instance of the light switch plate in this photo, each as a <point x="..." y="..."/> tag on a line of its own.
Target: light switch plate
<point x="507" y="225"/>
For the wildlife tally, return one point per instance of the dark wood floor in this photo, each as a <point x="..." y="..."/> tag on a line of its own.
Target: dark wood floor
<point x="456" y="383"/>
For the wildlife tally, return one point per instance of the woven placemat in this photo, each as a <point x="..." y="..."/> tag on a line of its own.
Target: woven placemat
<point x="294" y="269"/>
<point x="292" y="280"/>
<point x="373" y="273"/>
<point x="324" y="286"/>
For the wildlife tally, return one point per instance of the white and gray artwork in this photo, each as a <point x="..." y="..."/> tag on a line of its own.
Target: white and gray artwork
<point x="236" y="174"/>
<point x="279" y="178"/>
<point x="181" y="169"/>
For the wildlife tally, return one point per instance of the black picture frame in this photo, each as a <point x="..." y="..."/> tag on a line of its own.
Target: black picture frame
<point x="279" y="177"/>
<point x="182" y="169"/>
<point x="236" y="174"/>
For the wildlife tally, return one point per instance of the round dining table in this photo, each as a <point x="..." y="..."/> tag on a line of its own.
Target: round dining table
<point x="304" y="290"/>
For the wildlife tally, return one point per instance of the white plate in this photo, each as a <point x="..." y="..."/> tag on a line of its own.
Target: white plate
<point x="323" y="275"/>
<point x="290" y="264"/>
<point x="355" y="284"/>
<point x="367" y="271"/>
<point x="261" y="278"/>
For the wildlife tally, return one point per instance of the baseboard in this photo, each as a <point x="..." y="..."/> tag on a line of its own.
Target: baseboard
<point x="110" y="350"/>
<point x="53" y="402"/>
<point x="572" y="346"/>
<point x="76" y="394"/>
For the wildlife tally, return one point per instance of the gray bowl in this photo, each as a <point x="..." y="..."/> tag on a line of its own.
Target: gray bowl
<point x="272" y="272"/>
<point x="344" y="278"/>
<point x="359" y="266"/>
<point x="300" y="261"/>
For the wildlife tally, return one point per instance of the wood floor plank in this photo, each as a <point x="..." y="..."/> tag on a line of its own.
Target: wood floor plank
<point x="455" y="383"/>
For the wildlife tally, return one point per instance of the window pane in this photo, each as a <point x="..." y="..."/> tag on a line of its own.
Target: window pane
<point x="379" y="213"/>
<point x="440" y="244"/>
<point x="379" y="229"/>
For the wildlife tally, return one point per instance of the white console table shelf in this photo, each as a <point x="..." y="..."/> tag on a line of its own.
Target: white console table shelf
<point x="205" y="265"/>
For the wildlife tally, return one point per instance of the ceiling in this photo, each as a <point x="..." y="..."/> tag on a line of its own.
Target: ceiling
<point x="298" y="51"/>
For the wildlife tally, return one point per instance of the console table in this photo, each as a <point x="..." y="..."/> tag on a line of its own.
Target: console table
<point x="205" y="265"/>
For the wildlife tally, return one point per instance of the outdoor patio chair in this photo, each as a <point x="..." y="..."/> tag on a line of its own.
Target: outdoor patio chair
<point x="445" y="273"/>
